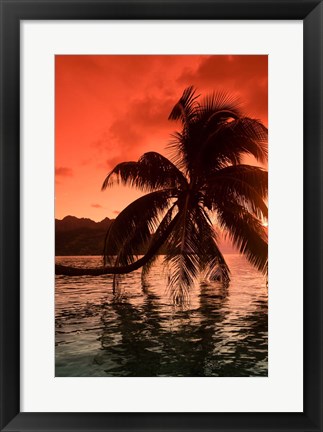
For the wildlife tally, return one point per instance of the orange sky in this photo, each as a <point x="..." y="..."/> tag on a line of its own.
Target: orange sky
<point x="110" y="109"/>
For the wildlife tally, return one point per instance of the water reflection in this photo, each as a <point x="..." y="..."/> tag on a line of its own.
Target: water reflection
<point x="223" y="333"/>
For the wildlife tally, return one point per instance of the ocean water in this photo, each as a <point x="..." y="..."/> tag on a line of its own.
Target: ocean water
<point x="139" y="332"/>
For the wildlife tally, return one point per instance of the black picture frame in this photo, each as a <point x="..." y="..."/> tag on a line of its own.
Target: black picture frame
<point x="12" y="12"/>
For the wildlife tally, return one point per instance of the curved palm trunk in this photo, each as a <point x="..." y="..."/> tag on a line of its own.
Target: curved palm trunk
<point x="98" y="271"/>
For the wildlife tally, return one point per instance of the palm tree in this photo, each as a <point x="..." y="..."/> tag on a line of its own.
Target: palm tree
<point x="204" y="178"/>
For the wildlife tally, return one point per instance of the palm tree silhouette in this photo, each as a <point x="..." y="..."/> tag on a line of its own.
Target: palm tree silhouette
<point x="203" y="178"/>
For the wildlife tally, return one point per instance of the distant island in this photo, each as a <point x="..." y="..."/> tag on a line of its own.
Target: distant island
<point x="84" y="237"/>
<point x="80" y="236"/>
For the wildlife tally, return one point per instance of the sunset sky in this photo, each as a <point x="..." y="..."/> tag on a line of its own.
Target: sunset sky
<point x="110" y="109"/>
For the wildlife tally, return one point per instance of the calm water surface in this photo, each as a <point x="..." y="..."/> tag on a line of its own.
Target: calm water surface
<point x="222" y="332"/>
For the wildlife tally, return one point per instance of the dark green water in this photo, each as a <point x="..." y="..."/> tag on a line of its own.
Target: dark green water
<point x="223" y="332"/>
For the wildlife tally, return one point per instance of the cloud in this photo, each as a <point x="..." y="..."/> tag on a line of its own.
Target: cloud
<point x="64" y="172"/>
<point x="116" y="212"/>
<point x="245" y="76"/>
<point x="136" y="130"/>
<point x="96" y="206"/>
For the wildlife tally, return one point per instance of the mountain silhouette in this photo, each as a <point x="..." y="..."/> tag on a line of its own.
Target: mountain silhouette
<point x="70" y="223"/>
<point x="80" y="236"/>
<point x="83" y="236"/>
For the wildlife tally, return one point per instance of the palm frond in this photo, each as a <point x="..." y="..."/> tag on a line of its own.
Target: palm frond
<point x="116" y="282"/>
<point x="245" y="184"/>
<point x="181" y="258"/>
<point x="176" y="150"/>
<point x="152" y="171"/>
<point x="164" y="224"/>
<point x="215" y="134"/>
<point x="218" y="106"/>
<point x="186" y="108"/>
<point x="134" y="244"/>
<point x="246" y="233"/>
<point x="191" y="249"/>
<point x="211" y="258"/>
<point x="136" y="223"/>
<point x="123" y="173"/>
<point x="230" y="140"/>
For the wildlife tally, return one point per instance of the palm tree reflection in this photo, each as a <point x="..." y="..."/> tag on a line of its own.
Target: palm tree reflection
<point x="184" y="342"/>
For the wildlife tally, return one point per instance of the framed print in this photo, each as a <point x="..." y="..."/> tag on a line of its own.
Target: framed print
<point x="154" y="221"/>
<point x="186" y="294"/>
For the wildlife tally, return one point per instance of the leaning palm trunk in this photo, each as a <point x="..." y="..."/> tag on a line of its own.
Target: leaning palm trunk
<point x="99" y="271"/>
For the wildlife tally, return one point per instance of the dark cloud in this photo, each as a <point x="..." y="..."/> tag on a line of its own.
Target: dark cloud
<point x="142" y="117"/>
<point x="243" y="75"/>
<point x="135" y="129"/>
<point x="112" y="161"/>
<point x="64" y="172"/>
<point x="96" y="206"/>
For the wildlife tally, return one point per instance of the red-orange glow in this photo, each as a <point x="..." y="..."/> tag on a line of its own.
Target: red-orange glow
<point x="114" y="108"/>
